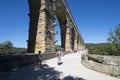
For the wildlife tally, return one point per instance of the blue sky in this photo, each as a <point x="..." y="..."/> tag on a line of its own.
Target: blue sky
<point x="94" y="19"/>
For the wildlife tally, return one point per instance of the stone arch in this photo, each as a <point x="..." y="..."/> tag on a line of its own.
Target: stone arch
<point x="60" y="14"/>
<point x="62" y="19"/>
<point x="42" y="22"/>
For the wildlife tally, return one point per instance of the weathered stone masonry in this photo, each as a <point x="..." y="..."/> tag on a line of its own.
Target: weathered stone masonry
<point x="42" y="22"/>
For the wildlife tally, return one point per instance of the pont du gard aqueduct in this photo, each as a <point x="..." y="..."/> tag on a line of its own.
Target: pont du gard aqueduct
<point x="75" y="63"/>
<point x="42" y="23"/>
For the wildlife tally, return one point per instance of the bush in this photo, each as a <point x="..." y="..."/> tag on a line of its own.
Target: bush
<point x="102" y="49"/>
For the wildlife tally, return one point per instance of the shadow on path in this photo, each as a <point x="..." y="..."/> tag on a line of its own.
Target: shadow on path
<point x="72" y="78"/>
<point x="34" y="73"/>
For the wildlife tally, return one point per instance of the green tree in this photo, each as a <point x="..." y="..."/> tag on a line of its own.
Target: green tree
<point x="114" y="38"/>
<point x="8" y="44"/>
<point x="7" y="48"/>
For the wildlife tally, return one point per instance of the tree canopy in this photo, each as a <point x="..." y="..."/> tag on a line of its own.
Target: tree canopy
<point x="114" y="39"/>
<point x="7" y="44"/>
<point x="7" y="47"/>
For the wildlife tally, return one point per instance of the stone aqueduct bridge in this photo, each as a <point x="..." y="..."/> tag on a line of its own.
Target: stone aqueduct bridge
<point x="42" y="22"/>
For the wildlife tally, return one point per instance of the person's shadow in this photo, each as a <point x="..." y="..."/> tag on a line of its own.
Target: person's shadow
<point x="60" y="63"/>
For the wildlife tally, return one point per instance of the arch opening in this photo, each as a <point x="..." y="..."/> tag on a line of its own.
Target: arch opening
<point x="57" y="36"/>
<point x="62" y="21"/>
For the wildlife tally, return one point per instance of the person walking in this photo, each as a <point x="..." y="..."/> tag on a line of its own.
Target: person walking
<point x="40" y="59"/>
<point x="58" y="55"/>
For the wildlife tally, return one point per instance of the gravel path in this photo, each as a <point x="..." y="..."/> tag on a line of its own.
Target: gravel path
<point x="71" y="69"/>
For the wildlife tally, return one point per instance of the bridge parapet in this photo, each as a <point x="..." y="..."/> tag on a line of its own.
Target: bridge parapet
<point x="14" y="62"/>
<point x="106" y="64"/>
